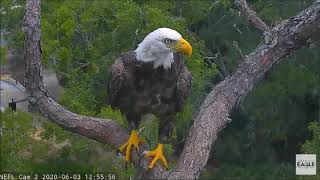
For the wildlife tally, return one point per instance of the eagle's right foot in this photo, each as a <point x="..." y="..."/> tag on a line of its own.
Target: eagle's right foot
<point x="134" y="140"/>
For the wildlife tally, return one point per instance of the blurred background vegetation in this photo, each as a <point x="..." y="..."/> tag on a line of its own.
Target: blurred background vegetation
<point x="80" y="40"/>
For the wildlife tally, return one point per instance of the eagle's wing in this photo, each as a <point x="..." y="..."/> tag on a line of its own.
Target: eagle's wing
<point x="184" y="84"/>
<point x="116" y="81"/>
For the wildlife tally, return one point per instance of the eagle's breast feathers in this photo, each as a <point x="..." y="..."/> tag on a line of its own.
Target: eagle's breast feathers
<point x="137" y="85"/>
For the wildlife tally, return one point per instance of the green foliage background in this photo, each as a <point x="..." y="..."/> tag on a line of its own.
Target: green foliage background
<point x="80" y="40"/>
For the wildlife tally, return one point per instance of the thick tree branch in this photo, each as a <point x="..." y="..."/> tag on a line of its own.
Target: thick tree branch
<point x="103" y="130"/>
<point x="213" y="115"/>
<point x="250" y="15"/>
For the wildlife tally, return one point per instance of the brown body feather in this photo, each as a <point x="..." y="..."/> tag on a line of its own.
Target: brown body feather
<point x="137" y="89"/>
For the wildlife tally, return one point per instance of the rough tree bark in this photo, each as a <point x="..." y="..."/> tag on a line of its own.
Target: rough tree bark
<point x="250" y="15"/>
<point x="212" y="116"/>
<point x="103" y="130"/>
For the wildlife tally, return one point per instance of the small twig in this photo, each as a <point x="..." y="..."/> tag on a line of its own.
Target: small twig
<point x="80" y="58"/>
<point x="55" y="58"/>
<point x="237" y="29"/>
<point x="220" y="20"/>
<point x="79" y="29"/>
<point x="218" y="60"/>
<point x="81" y="65"/>
<point x="114" y="34"/>
<point x="223" y="67"/>
<point x="212" y="58"/>
<point x="250" y="15"/>
<point x="65" y="74"/>
<point x="135" y="38"/>
<point x="238" y="50"/>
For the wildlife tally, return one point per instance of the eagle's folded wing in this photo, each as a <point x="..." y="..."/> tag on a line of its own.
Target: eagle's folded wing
<point x="116" y="81"/>
<point x="183" y="86"/>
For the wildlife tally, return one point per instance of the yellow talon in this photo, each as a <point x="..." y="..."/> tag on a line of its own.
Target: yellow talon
<point x="157" y="154"/>
<point x="134" y="141"/>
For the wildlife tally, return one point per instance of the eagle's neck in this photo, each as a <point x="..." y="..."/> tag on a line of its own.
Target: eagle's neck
<point x="159" y="58"/>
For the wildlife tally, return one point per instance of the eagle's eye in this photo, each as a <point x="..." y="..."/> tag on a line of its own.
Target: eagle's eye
<point x="167" y="41"/>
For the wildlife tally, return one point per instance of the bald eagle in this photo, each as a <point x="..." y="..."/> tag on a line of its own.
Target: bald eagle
<point x="151" y="79"/>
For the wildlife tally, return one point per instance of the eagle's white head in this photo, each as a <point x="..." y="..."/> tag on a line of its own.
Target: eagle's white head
<point x="158" y="47"/>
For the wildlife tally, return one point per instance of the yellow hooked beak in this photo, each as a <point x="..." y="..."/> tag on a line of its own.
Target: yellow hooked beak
<point x="184" y="47"/>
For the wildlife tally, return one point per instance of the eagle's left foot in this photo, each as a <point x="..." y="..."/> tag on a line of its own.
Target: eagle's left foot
<point x="157" y="154"/>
